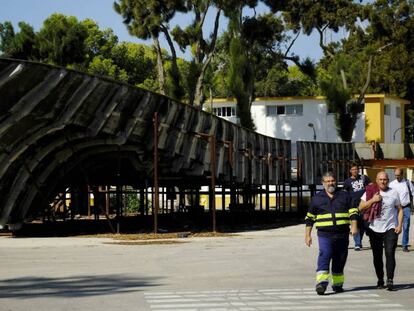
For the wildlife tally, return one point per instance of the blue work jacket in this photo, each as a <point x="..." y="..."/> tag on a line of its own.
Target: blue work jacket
<point x="331" y="216"/>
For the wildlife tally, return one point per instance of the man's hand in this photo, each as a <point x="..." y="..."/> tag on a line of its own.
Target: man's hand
<point x="398" y="229"/>
<point x="308" y="240"/>
<point x="354" y="227"/>
<point x="354" y="230"/>
<point x="376" y="198"/>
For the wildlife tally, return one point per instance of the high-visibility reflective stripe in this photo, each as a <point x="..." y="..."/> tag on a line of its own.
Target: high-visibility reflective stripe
<point x="353" y="211"/>
<point x="324" y="224"/>
<point x="342" y="215"/>
<point x="343" y="222"/>
<point x="328" y="216"/>
<point x="310" y="216"/>
<point x="338" y="279"/>
<point x="322" y="276"/>
<point x="324" y="216"/>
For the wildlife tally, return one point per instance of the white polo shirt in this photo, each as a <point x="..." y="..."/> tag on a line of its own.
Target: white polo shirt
<point x="389" y="211"/>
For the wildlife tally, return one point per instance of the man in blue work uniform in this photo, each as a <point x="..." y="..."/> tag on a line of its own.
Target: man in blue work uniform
<point x="332" y="212"/>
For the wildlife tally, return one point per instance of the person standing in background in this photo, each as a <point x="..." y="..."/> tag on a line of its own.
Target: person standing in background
<point x="355" y="185"/>
<point x="405" y="192"/>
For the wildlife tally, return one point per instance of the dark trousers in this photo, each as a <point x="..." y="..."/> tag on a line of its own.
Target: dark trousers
<point x="380" y="241"/>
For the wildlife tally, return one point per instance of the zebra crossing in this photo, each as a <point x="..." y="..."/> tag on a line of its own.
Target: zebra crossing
<point x="268" y="300"/>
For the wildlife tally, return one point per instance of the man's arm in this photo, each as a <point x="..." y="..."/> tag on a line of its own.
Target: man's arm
<point x="363" y="205"/>
<point x="398" y="229"/>
<point x="354" y="227"/>
<point x="308" y="236"/>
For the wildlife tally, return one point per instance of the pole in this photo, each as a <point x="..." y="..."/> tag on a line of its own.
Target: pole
<point x="268" y="165"/>
<point x="213" y="180"/>
<point x="118" y="193"/>
<point x="156" y="198"/>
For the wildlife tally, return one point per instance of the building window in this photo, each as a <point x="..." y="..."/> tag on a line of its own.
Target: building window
<point x="387" y="111"/>
<point x="228" y="111"/>
<point x="398" y="112"/>
<point x="271" y="110"/>
<point x="225" y="111"/>
<point x="294" y="109"/>
<point x="284" y="110"/>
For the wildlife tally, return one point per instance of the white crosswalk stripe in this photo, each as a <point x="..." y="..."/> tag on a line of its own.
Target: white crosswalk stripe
<point x="268" y="300"/>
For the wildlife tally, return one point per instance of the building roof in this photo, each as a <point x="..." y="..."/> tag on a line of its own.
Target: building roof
<point x="293" y="98"/>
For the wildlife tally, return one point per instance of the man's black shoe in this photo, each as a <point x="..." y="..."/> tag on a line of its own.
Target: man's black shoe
<point x="380" y="285"/>
<point x="320" y="289"/>
<point x="390" y="285"/>
<point x="338" y="289"/>
<point x="405" y="249"/>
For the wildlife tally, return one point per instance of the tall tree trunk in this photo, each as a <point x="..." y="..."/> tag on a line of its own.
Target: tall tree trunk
<point x="160" y="65"/>
<point x="177" y="90"/>
<point x="198" y="93"/>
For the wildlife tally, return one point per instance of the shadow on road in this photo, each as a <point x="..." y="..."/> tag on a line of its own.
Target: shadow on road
<point x="397" y="287"/>
<point x="76" y="286"/>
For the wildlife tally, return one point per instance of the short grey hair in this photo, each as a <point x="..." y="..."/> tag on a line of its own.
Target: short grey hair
<point x="328" y="174"/>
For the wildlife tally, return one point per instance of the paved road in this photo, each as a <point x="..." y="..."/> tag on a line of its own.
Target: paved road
<point x="258" y="270"/>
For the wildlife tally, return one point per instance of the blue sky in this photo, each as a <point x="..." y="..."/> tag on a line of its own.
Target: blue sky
<point x="34" y="12"/>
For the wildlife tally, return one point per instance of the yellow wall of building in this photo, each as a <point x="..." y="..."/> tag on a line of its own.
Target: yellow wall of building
<point x="273" y="202"/>
<point x="374" y="119"/>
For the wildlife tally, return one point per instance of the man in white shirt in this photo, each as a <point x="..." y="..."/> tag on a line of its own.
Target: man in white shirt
<point x="405" y="190"/>
<point x="384" y="227"/>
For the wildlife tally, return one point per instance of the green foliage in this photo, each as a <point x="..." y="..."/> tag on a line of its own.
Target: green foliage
<point x="391" y="34"/>
<point x="147" y="19"/>
<point x="61" y="40"/>
<point x="137" y="60"/>
<point x="282" y="82"/>
<point x="106" y="67"/>
<point x="17" y="45"/>
<point x="131" y="201"/>
<point x="337" y="98"/>
<point x="219" y="68"/>
<point x="98" y="42"/>
<point x="239" y="77"/>
<point x="254" y="47"/>
<point x="387" y="40"/>
<point x="7" y="39"/>
<point x="81" y="45"/>
<point x="309" y="15"/>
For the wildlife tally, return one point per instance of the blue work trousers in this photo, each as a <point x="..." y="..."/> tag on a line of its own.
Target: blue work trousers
<point x="333" y="252"/>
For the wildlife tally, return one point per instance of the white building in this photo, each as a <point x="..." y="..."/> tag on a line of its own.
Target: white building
<point x="306" y="118"/>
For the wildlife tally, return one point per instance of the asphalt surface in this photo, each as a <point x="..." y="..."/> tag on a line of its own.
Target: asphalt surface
<point x="256" y="270"/>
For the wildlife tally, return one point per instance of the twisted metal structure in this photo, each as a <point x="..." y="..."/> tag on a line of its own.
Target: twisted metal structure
<point x="60" y="128"/>
<point x="316" y="158"/>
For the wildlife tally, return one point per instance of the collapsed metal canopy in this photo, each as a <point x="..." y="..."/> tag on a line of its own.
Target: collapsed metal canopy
<point x="316" y="158"/>
<point x="59" y="128"/>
